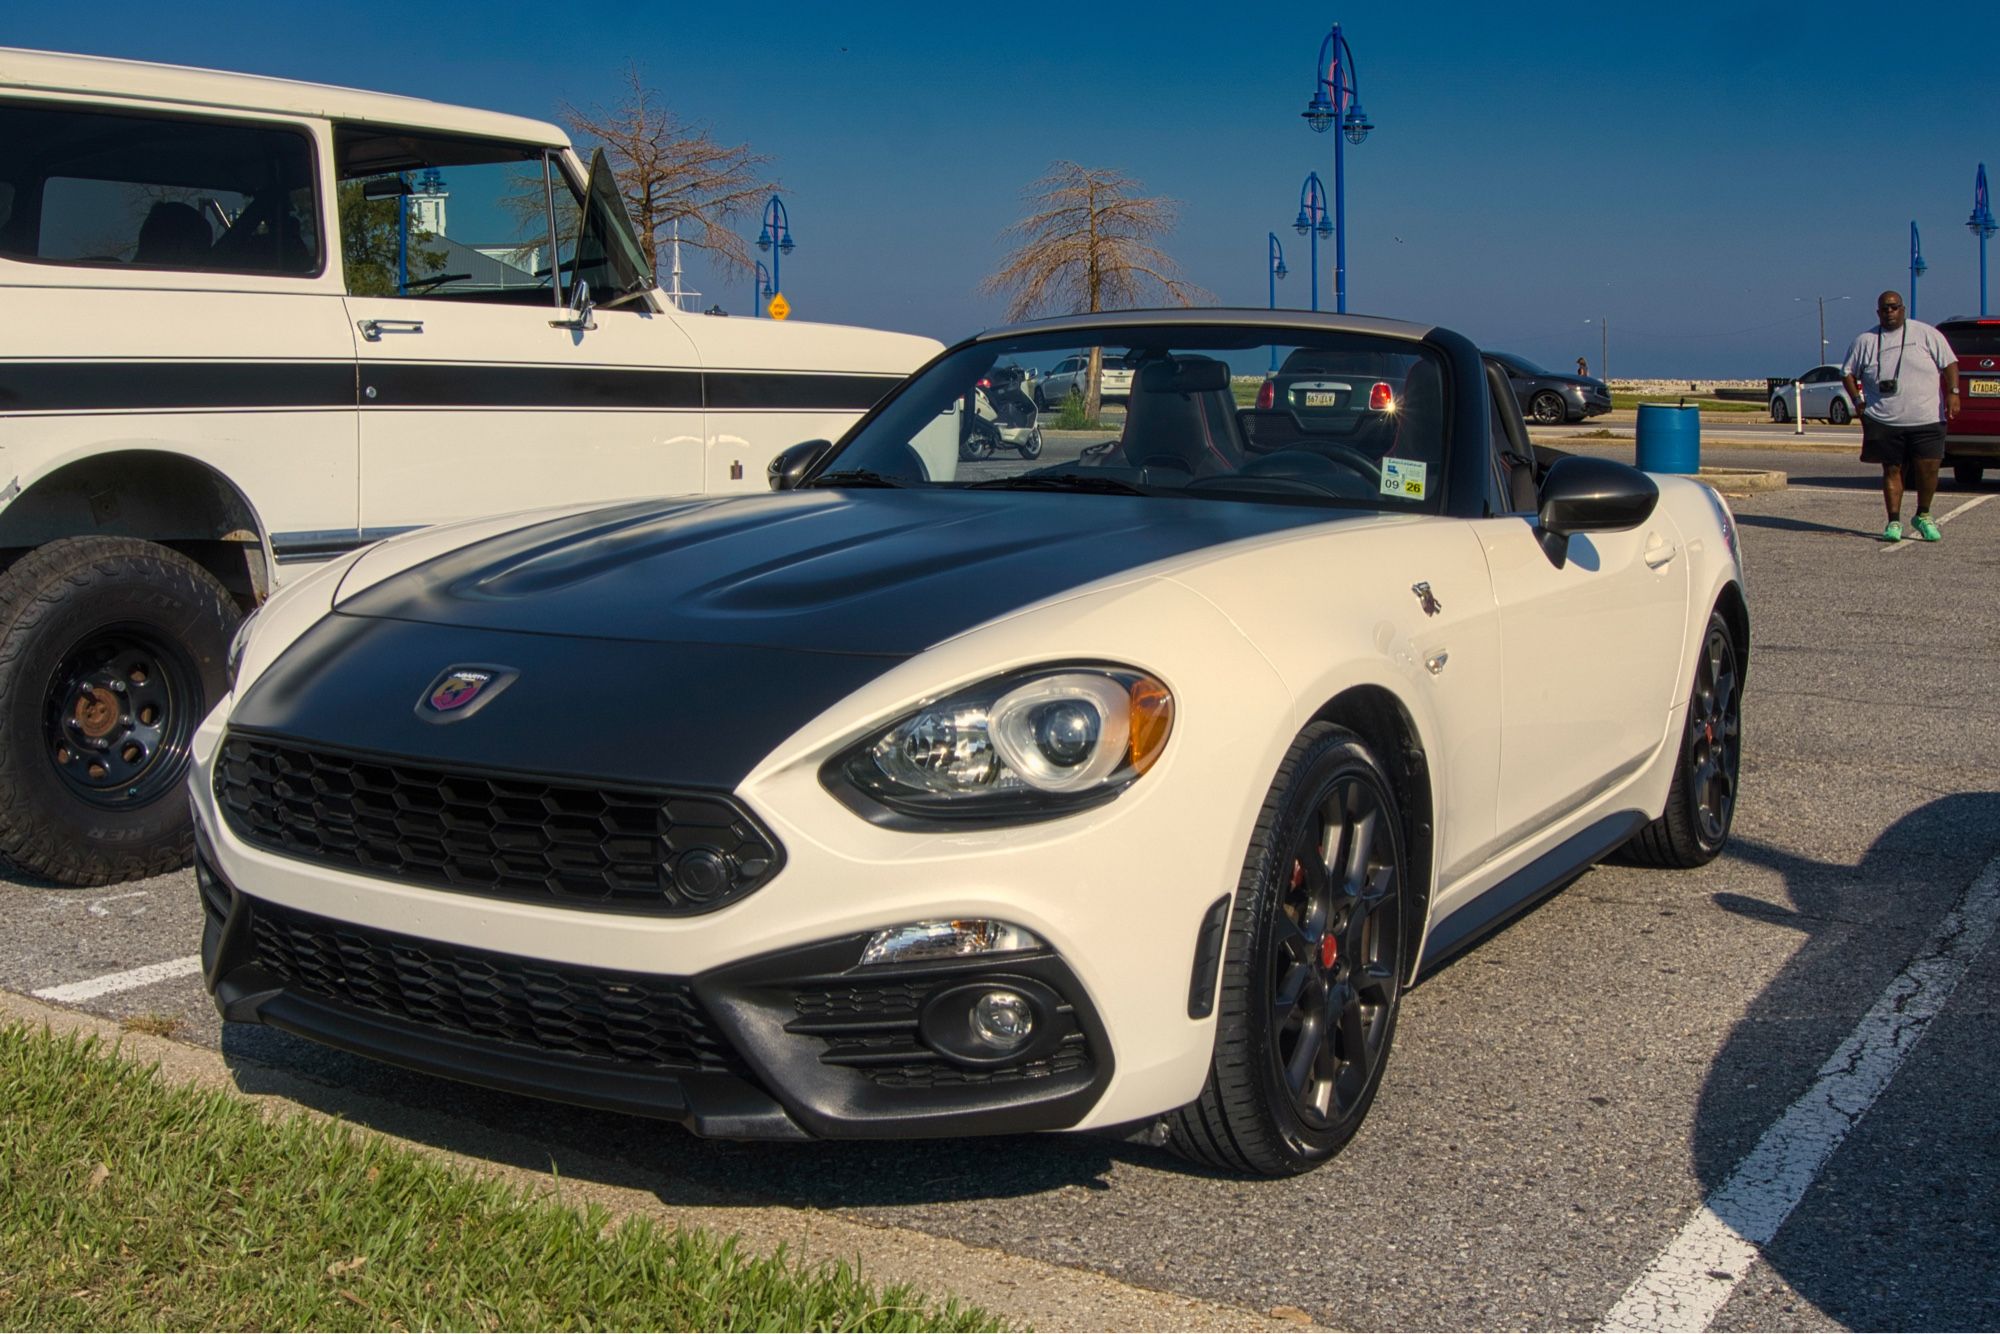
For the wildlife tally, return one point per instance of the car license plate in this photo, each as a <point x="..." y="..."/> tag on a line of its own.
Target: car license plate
<point x="1984" y="388"/>
<point x="1327" y="398"/>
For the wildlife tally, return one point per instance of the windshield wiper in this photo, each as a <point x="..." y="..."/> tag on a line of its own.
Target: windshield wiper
<point x="850" y="477"/>
<point x="1061" y="481"/>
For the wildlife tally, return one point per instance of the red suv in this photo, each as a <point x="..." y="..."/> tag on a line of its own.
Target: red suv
<point x="1972" y="438"/>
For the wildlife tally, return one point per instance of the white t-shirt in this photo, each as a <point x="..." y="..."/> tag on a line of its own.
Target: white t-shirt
<point x="1914" y="356"/>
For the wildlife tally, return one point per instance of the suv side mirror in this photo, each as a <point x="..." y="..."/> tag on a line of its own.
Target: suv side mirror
<point x="580" y="308"/>
<point x="788" y="468"/>
<point x="1590" y="495"/>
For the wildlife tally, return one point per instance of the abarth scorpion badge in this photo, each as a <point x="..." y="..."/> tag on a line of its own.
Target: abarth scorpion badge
<point x="1427" y="599"/>
<point x="462" y="691"/>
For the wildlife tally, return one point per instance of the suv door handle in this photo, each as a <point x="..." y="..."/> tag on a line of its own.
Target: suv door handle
<point x="373" y="330"/>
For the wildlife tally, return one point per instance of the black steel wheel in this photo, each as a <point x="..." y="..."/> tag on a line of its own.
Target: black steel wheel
<point x="111" y="654"/>
<point x="1781" y="411"/>
<point x="1701" y="803"/>
<point x="1548" y="407"/>
<point x="1319" y="942"/>
<point x="1837" y="413"/>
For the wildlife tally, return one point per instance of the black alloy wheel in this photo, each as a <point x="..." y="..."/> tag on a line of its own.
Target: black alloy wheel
<point x="1701" y="803"/>
<point x="1837" y="413"/>
<point x="1312" y="979"/>
<point x="1548" y="407"/>
<point x="1780" y="410"/>
<point x="119" y="716"/>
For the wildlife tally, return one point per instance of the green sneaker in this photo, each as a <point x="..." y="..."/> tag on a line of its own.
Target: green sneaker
<point x="1894" y="532"/>
<point x="1926" y="529"/>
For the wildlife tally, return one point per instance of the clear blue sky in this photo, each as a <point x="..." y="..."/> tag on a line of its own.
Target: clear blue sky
<point x="1687" y="171"/>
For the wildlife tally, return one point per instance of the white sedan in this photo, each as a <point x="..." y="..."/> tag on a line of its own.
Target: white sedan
<point x="1134" y="782"/>
<point x="1819" y="395"/>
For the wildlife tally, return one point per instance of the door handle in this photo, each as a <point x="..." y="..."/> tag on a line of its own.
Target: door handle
<point x="1660" y="554"/>
<point x="373" y="330"/>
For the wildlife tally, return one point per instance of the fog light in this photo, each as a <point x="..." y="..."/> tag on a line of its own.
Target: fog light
<point x="1003" y="1018"/>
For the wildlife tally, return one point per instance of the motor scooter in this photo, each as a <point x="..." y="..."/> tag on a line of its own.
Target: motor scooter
<point x="1003" y="416"/>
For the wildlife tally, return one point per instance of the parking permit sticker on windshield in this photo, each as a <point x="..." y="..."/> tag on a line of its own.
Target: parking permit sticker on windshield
<point x="1404" y="477"/>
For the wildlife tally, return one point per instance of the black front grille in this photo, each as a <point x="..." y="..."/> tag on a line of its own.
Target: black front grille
<point x="648" y="1021"/>
<point x="535" y="839"/>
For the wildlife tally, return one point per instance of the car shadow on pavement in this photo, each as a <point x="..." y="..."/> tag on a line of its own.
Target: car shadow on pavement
<point x="659" y="1157"/>
<point x="1889" y="1237"/>
<point x="1805" y="526"/>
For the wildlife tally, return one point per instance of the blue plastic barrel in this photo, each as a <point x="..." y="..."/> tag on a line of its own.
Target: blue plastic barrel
<point x="1669" y="438"/>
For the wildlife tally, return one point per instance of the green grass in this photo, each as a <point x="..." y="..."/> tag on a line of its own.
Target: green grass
<point x="1071" y="416"/>
<point x="1622" y="399"/>
<point x="128" y="1203"/>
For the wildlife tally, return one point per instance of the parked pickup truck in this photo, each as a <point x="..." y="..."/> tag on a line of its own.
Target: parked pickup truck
<point x="254" y="323"/>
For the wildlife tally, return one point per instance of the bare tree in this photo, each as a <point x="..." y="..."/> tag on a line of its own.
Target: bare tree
<point x="1088" y="246"/>
<point x="672" y="171"/>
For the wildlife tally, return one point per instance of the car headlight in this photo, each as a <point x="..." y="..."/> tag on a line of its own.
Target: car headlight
<point x="233" y="661"/>
<point x="1021" y="747"/>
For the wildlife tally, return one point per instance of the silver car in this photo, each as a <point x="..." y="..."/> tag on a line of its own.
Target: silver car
<point x="1073" y="374"/>
<point x="1818" y="393"/>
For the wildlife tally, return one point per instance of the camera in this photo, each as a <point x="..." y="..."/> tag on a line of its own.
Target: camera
<point x="1885" y="387"/>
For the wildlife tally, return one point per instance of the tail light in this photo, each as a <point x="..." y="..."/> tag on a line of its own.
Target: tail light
<point x="1267" y="395"/>
<point x="985" y="383"/>
<point x="1381" y="398"/>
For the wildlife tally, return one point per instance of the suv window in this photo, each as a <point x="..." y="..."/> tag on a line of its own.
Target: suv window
<point x="155" y="192"/>
<point x="460" y="219"/>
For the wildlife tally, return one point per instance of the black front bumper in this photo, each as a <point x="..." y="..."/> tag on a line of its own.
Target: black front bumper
<point x="794" y="1045"/>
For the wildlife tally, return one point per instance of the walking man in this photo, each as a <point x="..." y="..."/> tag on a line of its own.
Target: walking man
<point x="1895" y="371"/>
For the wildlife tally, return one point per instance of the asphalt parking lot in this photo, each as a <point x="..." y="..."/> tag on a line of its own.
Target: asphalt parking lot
<point x="1563" y="1098"/>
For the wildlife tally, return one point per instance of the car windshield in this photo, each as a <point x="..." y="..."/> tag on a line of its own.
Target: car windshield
<point x="1352" y="420"/>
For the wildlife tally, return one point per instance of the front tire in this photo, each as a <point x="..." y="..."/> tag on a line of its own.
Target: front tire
<point x="1548" y="408"/>
<point x="1031" y="444"/>
<point x="1312" y="977"/>
<point x="111" y="654"/>
<point x="1701" y="803"/>
<point x="1837" y="413"/>
<point x="1781" y="411"/>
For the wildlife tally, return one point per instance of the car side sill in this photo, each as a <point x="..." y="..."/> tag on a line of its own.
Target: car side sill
<point x="1474" y="921"/>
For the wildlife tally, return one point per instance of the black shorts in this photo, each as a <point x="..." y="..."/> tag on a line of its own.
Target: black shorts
<point x="1894" y="446"/>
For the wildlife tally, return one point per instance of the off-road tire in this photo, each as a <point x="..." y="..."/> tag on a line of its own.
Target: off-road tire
<point x="1244" y="1121"/>
<point x="55" y="600"/>
<point x="1685" y="835"/>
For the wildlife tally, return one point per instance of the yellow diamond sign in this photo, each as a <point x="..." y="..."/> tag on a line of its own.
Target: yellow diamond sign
<point x="779" y="307"/>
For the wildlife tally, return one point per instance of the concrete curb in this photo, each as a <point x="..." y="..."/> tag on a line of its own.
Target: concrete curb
<point x="1023" y="1292"/>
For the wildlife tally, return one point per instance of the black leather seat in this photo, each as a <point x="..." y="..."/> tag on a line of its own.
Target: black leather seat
<point x="173" y="235"/>
<point x="1181" y="417"/>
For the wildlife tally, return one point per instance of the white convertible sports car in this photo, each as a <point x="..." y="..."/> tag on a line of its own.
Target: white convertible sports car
<point x="1133" y="782"/>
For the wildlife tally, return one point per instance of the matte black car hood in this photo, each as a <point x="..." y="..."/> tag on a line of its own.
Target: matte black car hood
<point x="843" y="571"/>
<point x="680" y="641"/>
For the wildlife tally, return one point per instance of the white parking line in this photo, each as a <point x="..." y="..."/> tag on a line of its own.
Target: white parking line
<point x="1699" y="1269"/>
<point x="1942" y="520"/>
<point x="72" y="992"/>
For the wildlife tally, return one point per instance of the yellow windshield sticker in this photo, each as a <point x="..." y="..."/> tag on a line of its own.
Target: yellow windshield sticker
<point x="1404" y="478"/>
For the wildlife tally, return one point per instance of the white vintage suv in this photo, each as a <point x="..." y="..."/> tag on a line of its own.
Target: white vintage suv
<point x="253" y="323"/>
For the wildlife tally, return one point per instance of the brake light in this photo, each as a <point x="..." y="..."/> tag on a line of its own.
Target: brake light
<point x="1267" y="395"/>
<point x="1381" y="398"/>
<point x="985" y="383"/>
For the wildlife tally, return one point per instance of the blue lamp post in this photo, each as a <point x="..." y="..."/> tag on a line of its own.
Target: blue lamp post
<point x="764" y="289"/>
<point x="1337" y="98"/>
<point x="776" y="237"/>
<point x="1917" y="266"/>
<point x="1312" y="221"/>
<point x="1277" y="270"/>
<point x="1982" y="226"/>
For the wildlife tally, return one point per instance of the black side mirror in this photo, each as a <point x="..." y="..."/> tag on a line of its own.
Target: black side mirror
<point x="788" y="468"/>
<point x="1591" y="495"/>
